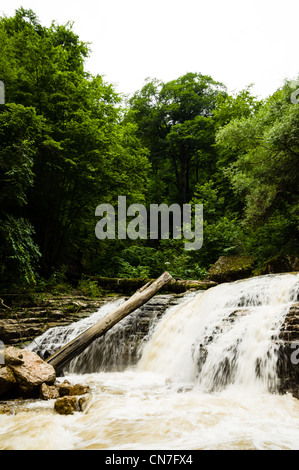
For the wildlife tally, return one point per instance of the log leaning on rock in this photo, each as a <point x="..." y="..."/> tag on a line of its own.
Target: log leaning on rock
<point x="63" y="356"/>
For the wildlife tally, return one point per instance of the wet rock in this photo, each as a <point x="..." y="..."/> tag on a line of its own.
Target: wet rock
<point x="5" y="409"/>
<point x="66" y="405"/>
<point x="64" y="388"/>
<point x="24" y="371"/>
<point x="281" y="264"/>
<point x="288" y="353"/>
<point x="67" y="389"/>
<point x="48" y="392"/>
<point x="70" y="404"/>
<point x="7" y="380"/>
<point x="32" y="372"/>
<point x="83" y="402"/>
<point x="72" y="398"/>
<point x="79" y="389"/>
<point x="29" y="317"/>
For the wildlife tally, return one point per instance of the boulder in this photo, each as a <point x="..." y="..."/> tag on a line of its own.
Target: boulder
<point x="25" y="374"/>
<point x="7" y="380"/>
<point x="13" y="356"/>
<point x="28" y="369"/>
<point x="66" y="405"/>
<point x="71" y="399"/>
<point x="79" y="389"/>
<point x="281" y="264"/>
<point x="231" y="268"/>
<point x="48" y="392"/>
<point x="64" y="388"/>
<point x="70" y="404"/>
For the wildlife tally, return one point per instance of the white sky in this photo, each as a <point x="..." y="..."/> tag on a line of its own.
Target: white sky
<point x="236" y="42"/>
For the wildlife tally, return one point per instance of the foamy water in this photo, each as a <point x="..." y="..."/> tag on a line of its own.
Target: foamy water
<point x="167" y="401"/>
<point x="134" y="411"/>
<point x="233" y="326"/>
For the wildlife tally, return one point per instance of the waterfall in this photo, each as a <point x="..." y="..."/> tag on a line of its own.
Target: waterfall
<point x="196" y="371"/>
<point x="54" y="338"/>
<point x="228" y="335"/>
<point x="118" y="348"/>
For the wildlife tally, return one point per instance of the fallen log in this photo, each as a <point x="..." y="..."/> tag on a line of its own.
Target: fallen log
<point x="128" y="285"/>
<point x="72" y="349"/>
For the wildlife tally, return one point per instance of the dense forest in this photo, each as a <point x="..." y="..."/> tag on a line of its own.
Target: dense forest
<point x="69" y="142"/>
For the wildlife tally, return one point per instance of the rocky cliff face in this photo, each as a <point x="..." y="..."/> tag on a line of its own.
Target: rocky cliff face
<point x="288" y="363"/>
<point x="24" y="317"/>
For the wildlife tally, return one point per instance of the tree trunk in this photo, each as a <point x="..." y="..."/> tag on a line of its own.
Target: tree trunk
<point x="72" y="349"/>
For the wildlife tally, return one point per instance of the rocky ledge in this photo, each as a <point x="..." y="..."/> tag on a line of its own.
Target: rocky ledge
<point x="288" y="353"/>
<point x="24" y="317"/>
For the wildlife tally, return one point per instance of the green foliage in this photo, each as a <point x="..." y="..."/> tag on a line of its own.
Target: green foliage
<point x="67" y="145"/>
<point x="277" y="236"/>
<point x="20" y="129"/>
<point x="89" y="288"/>
<point x="222" y="230"/>
<point x="141" y="261"/>
<point x="18" y="253"/>
<point x="266" y="173"/>
<point x="175" y="123"/>
<point x="63" y="136"/>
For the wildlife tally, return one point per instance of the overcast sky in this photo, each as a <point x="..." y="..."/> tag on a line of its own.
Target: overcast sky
<point x="234" y="41"/>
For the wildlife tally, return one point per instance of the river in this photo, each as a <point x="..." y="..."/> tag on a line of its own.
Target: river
<point x="196" y="385"/>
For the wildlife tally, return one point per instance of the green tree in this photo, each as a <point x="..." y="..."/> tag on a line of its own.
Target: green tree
<point x="86" y="154"/>
<point x="175" y="123"/>
<point x="266" y="172"/>
<point x="238" y="106"/>
<point x="20" y="131"/>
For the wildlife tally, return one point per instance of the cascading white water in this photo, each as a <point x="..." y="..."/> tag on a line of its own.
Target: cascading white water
<point x="118" y="348"/>
<point x="203" y="381"/>
<point x="227" y="335"/>
<point x="54" y="338"/>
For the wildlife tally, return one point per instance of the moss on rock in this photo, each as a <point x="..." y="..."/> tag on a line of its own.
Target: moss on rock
<point x="231" y="268"/>
<point x="280" y="264"/>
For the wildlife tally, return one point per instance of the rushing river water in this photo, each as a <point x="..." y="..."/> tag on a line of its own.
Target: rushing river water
<point x="206" y="379"/>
